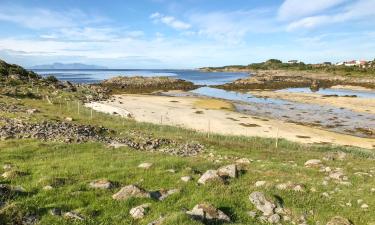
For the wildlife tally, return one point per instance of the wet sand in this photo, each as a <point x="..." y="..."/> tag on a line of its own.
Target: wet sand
<point x="363" y="105"/>
<point x="184" y="112"/>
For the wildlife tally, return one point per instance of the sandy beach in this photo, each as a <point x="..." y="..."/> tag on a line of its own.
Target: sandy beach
<point x="185" y="112"/>
<point x="365" y="105"/>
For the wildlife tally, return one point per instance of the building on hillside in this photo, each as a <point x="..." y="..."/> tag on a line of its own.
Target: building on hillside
<point x="360" y="63"/>
<point x="293" y="61"/>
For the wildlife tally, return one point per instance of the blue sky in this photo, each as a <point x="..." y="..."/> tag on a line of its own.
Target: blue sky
<point x="185" y="33"/>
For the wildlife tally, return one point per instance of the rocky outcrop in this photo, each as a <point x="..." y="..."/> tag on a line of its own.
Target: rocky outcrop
<point x="280" y="79"/>
<point x="146" y="84"/>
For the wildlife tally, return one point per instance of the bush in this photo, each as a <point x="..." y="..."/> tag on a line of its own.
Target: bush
<point x="51" y="79"/>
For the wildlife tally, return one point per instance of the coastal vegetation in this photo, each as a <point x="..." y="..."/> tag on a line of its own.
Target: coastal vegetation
<point x="367" y="70"/>
<point x="50" y="177"/>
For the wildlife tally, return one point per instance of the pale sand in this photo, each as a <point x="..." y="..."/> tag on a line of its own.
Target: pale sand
<point x="350" y="87"/>
<point x="366" y="105"/>
<point x="180" y="111"/>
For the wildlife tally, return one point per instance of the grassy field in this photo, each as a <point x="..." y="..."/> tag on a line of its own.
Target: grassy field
<point x="73" y="166"/>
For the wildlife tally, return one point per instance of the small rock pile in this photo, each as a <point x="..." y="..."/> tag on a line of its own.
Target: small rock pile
<point x="69" y="132"/>
<point x="221" y="174"/>
<point x="270" y="212"/>
<point x="11" y="108"/>
<point x="187" y="149"/>
<point x="52" y="131"/>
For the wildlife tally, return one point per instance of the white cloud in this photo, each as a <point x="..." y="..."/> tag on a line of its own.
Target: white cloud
<point x="362" y="10"/>
<point x="169" y="21"/>
<point x="40" y="18"/>
<point x="233" y="26"/>
<point x="293" y="9"/>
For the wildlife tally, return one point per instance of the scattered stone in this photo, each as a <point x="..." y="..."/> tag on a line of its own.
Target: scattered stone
<point x="47" y="188"/>
<point x="8" y="166"/>
<point x="171" y="171"/>
<point x="116" y="145"/>
<point x="145" y="165"/>
<point x="228" y="171"/>
<point x="291" y="186"/>
<point x="325" y="194"/>
<point x="337" y="175"/>
<point x="140" y="211"/>
<point x="207" y="212"/>
<point x="130" y="191"/>
<point x="338" y="220"/>
<point x="335" y="156"/>
<point x="69" y="119"/>
<point x="209" y="175"/>
<point x="13" y="174"/>
<point x="32" y="111"/>
<point x="262" y="204"/>
<point x="186" y="178"/>
<point x="273" y="219"/>
<point x="163" y="194"/>
<point x="74" y="216"/>
<point x="364" y="206"/>
<point x="243" y="161"/>
<point x="260" y="183"/>
<point x="101" y="184"/>
<point x="313" y="163"/>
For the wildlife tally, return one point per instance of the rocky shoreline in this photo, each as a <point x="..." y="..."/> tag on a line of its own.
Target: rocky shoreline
<point x="141" y="84"/>
<point x="280" y="79"/>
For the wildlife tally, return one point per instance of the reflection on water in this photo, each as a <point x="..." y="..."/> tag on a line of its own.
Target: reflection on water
<point x="332" y="118"/>
<point x="235" y="96"/>
<point x="332" y="91"/>
<point x="95" y="76"/>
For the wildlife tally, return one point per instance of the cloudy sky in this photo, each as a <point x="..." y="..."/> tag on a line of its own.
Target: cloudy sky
<point x="184" y="33"/>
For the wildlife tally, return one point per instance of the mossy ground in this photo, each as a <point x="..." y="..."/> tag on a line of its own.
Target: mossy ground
<point x="79" y="164"/>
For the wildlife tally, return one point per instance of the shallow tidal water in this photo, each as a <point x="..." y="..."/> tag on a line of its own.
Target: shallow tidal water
<point x="331" y="118"/>
<point x="332" y="91"/>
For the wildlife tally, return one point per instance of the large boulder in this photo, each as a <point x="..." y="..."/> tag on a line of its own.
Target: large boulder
<point x="130" y="191"/>
<point x="261" y="203"/>
<point x="207" y="212"/>
<point x="228" y="171"/>
<point x="313" y="163"/>
<point x="209" y="175"/>
<point x="101" y="184"/>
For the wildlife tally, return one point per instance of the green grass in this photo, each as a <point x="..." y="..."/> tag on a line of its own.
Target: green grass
<point x="79" y="164"/>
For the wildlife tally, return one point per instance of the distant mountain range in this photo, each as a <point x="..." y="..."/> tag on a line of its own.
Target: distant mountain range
<point x="69" y="66"/>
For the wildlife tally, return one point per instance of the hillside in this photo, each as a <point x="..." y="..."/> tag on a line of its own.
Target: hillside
<point x="69" y="66"/>
<point x="15" y="71"/>
<point x="275" y="64"/>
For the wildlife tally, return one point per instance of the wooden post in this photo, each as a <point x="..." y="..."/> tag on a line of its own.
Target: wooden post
<point x="161" y="119"/>
<point x="277" y="138"/>
<point x="78" y="107"/>
<point x="91" y="114"/>
<point x="209" y="129"/>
